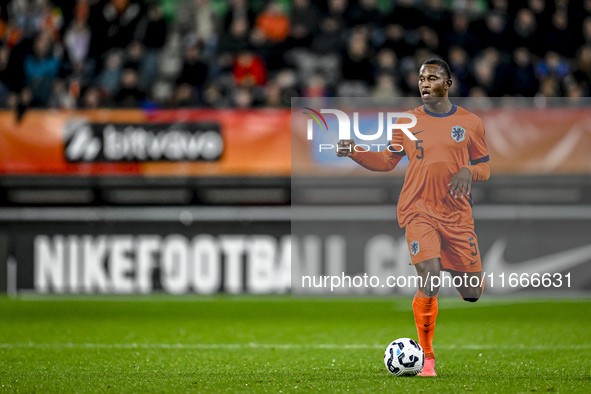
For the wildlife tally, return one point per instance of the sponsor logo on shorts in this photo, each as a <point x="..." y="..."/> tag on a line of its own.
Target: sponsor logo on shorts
<point x="414" y="248"/>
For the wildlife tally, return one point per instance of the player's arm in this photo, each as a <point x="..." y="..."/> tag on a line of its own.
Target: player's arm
<point x="385" y="160"/>
<point x="479" y="160"/>
<point x="477" y="171"/>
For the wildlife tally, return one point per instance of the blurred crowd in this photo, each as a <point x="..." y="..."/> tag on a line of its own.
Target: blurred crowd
<point x="260" y="53"/>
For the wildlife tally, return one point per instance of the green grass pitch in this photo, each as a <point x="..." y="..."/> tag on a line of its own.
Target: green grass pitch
<point x="278" y="344"/>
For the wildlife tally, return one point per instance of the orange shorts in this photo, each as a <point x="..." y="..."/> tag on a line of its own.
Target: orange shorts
<point x="455" y="246"/>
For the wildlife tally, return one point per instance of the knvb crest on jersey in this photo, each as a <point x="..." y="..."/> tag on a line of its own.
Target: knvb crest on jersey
<point x="458" y="133"/>
<point x="414" y="248"/>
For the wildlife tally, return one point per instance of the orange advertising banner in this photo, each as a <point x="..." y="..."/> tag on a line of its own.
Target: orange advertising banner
<point x="538" y="141"/>
<point x="189" y="143"/>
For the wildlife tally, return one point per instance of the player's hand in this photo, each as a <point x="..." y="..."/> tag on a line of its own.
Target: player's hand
<point x="461" y="183"/>
<point x="345" y="148"/>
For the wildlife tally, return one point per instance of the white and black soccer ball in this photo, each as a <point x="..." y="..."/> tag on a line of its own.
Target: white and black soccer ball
<point x="403" y="357"/>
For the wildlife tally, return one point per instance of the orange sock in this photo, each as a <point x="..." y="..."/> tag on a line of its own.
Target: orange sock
<point x="425" y="311"/>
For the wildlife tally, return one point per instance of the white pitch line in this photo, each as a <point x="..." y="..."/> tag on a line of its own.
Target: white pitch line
<point x="286" y="346"/>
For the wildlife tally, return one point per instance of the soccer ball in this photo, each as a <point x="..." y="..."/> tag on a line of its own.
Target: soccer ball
<point x="403" y="357"/>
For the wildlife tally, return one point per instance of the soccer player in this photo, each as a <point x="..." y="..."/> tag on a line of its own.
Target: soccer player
<point x="435" y="206"/>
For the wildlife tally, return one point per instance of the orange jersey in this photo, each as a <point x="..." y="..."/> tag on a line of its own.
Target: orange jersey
<point x="445" y="143"/>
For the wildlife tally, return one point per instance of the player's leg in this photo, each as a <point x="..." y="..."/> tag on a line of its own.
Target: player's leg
<point x="424" y="304"/>
<point x="427" y="270"/>
<point x="460" y="256"/>
<point x="472" y="284"/>
<point x="424" y="244"/>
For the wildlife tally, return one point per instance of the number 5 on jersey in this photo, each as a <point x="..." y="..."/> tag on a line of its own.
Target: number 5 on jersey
<point x="420" y="148"/>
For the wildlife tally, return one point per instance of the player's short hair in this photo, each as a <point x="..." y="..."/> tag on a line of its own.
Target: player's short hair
<point x="441" y="63"/>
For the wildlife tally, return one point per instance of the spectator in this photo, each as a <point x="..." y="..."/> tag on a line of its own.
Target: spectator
<point x="273" y="23"/>
<point x="356" y="63"/>
<point x="50" y="20"/>
<point x="574" y="91"/>
<point x="243" y="98"/>
<point x="239" y="12"/>
<point x="395" y="39"/>
<point x="154" y="29"/>
<point x="459" y="65"/>
<point x="409" y="82"/>
<point x="194" y="72"/>
<point x="500" y="6"/>
<point x="198" y="23"/>
<point x="41" y="68"/>
<point x="482" y="101"/>
<point x="329" y="39"/>
<point x="287" y="82"/>
<point x="108" y="79"/>
<point x="484" y="75"/>
<point x="552" y="66"/>
<point x="525" y="33"/>
<point x="5" y="75"/>
<point x="316" y="87"/>
<point x="366" y="13"/>
<point x="386" y="62"/>
<point x="428" y="39"/>
<point x="249" y="70"/>
<point x="77" y="45"/>
<point x="549" y="87"/>
<point x="145" y="66"/>
<point x="338" y="10"/>
<point x="214" y="96"/>
<point x="271" y="51"/>
<point x="91" y="98"/>
<point x="153" y="38"/>
<point x="274" y="98"/>
<point x="524" y="82"/>
<point x="129" y="95"/>
<point x="560" y="38"/>
<point x="478" y="92"/>
<point x="304" y="22"/>
<point x="352" y="89"/>
<point x="26" y="16"/>
<point x="492" y="32"/>
<point x="541" y="11"/>
<point x="587" y="31"/>
<point x="385" y="87"/>
<point x="585" y="11"/>
<point x="185" y="96"/>
<point x="437" y="17"/>
<point x="134" y="55"/>
<point x="582" y="73"/>
<point x="117" y="21"/>
<point x="461" y="35"/>
<point x="62" y="96"/>
<point x="405" y="14"/>
<point x="234" y="41"/>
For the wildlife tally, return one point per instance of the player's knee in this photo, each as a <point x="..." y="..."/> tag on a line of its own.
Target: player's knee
<point x="430" y="291"/>
<point x="471" y="295"/>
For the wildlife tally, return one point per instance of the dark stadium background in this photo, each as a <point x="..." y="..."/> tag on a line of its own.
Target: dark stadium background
<point x="221" y="75"/>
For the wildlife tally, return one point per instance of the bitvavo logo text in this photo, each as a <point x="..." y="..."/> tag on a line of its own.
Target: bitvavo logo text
<point x="345" y="128"/>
